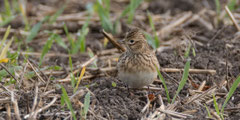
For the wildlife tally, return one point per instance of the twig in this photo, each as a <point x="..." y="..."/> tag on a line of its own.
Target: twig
<point x="35" y="98"/>
<point x="9" y="72"/>
<point x="197" y="71"/>
<point x="51" y="54"/>
<point x="206" y="24"/>
<point x="23" y="73"/>
<point x="194" y="17"/>
<point x="232" y="18"/>
<point x="84" y="77"/>
<point x="215" y="114"/>
<point x="83" y="65"/>
<point x="167" y="70"/>
<point x="14" y="31"/>
<point x="176" y="114"/>
<point x="36" y="71"/>
<point x="148" y="88"/>
<point x="117" y="45"/>
<point x="34" y="114"/>
<point x="46" y="78"/>
<point x="176" y="23"/>
<point x="5" y="100"/>
<point x="146" y="106"/>
<point x="193" y="98"/>
<point x="232" y="109"/>
<point x="218" y="33"/>
<point x="15" y="105"/>
<point x="156" y="112"/>
<point x="107" y="52"/>
<point x="8" y="109"/>
<point x="202" y="85"/>
<point x="48" y="82"/>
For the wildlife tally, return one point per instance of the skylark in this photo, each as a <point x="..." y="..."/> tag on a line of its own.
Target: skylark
<point x="137" y="65"/>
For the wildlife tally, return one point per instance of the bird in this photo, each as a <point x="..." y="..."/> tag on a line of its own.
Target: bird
<point x="137" y="66"/>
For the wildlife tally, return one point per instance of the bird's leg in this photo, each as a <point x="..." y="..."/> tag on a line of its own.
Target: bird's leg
<point x="148" y="90"/>
<point x="128" y="89"/>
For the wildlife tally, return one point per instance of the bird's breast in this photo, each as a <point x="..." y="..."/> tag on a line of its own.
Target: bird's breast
<point x="137" y="79"/>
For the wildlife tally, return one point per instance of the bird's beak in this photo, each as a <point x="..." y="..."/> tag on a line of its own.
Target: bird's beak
<point x="121" y="41"/>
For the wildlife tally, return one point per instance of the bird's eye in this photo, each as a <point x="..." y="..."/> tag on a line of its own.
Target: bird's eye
<point x="131" y="41"/>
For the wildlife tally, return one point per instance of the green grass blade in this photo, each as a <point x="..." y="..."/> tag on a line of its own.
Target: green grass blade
<point x="232" y="5"/>
<point x="125" y="11"/>
<point x="133" y="6"/>
<point x="103" y="13"/>
<point x="107" y="5"/>
<point x="58" y="13"/>
<point x="86" y="104"/>
<point x="82" y="37"/>
<point x="68" y="102"/>
<point x="90" y="8"/>
<point x="91" y="55"/>
<point x="6" y="21"/>
<point x="73" y="81"/>
<point x="156" y="40"/>
<point x="34" y="31"/>
<point x="5" y="37"/>
<point x="4" y="73"/>
<point x="70" y="63"/>
<point x="3" y="52"/>
<point x="193" y="52"/>
<point x="183" y="80"/>
<point x="218" y="7"/>
<point x="70" y="39"/>
<point x="60" y="42"/>
<point x="8" y="11"/>
<point x="186" y="54"/>
<point x="150" y="40"/>
<point x="47" y="47"/>
<point x="150" y="20"/>
<point x="230" y="93"/>
<point x="216" y="105"/>
<point x="164" y="84"/>
<point x="15" y="6"/>
<point x="209" y="114"/>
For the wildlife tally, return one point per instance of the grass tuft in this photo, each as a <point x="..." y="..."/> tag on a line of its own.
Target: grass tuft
<point x="183" y="80"/>
<point x="3" y="50"/>
<point x="82" y="38"/>
<point x="132" y="8"/>
<point x="66" y="100"/>
<point x="209" y="114"/>
<point x="35" y="29"/>
<point x="216" y="106"/>
<point x="232" y="5"/>
<point x="8" y="11"/>
<point x="164" y="84"/>
<point x="230" y="93"/>
<point x="104" y="14"/>
<point x="47" y="47"/>
<point x="70" y="39"/>
<point x="58" y="13"/>
<point x="86" y="105"/>
<point x="155" y="38"/>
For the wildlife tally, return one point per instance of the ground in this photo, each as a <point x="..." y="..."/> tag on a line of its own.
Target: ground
<point x="215" y="42"/>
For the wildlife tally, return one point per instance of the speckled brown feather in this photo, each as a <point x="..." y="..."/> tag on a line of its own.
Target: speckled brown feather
<point x="139" y="60"/>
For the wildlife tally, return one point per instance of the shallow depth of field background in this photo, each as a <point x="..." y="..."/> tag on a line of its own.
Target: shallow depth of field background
<point x="55" y="63"/>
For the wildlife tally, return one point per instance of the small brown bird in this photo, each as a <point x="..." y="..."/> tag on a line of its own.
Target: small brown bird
<point x="137" y="65"/>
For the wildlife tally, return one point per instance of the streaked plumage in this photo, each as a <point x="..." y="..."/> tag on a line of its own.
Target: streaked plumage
<point x="137" y="66"/>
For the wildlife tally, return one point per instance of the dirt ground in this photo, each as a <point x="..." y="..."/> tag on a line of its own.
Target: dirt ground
<point x="217" y="48"/>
